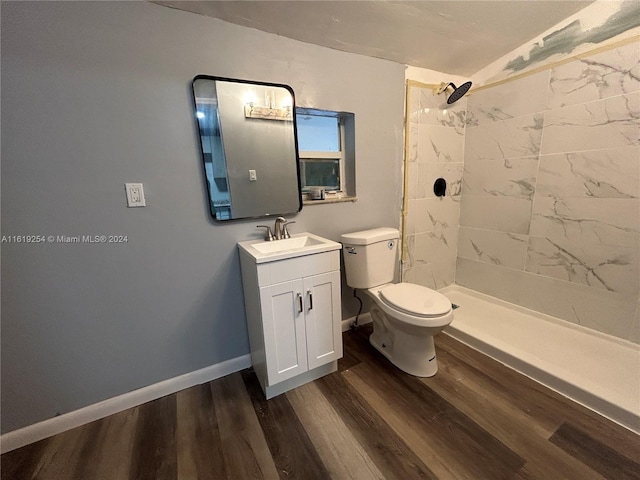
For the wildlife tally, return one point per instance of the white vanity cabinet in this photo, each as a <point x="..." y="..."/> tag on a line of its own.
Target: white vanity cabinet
<point x="294" y="318"/>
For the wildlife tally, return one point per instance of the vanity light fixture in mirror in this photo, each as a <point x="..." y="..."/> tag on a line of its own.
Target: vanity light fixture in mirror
<point x="250" y="161"/>
<point x="270" y="111"/>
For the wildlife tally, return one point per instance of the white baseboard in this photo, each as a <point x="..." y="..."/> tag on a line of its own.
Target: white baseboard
<point x="362" y="320"/>
<point x="38" y="431"/>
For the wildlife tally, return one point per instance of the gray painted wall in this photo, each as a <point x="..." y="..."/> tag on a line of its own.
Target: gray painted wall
<point x="96" y="94"/>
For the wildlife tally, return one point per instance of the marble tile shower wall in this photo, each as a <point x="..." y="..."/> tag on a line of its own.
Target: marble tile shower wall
<point x="550" y="208"/>
<point x="436" y="143"/>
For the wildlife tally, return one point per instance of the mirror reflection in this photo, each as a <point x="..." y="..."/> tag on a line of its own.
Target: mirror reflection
<point x="249" y="148"/>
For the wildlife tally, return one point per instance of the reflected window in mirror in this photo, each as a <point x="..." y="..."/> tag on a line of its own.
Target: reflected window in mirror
<point x="326" y="143"/>
<point x="215" y="164"/>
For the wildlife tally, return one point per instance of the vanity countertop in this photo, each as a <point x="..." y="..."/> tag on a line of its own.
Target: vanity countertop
<point x="298" y="245"/>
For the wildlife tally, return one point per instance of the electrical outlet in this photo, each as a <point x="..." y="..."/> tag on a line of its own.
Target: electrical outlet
<point x="135" y="195"/>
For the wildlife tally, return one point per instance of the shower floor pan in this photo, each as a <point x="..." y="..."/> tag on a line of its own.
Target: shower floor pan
<point x="597" y="370"/>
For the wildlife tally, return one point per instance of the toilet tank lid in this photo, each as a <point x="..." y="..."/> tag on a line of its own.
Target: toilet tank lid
<point x="367" y="237"/>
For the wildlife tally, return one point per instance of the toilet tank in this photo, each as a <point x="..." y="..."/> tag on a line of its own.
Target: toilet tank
<point x="370" y="256"/>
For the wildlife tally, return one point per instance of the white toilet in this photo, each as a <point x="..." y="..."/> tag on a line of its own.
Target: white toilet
<point x="405" y="316"/>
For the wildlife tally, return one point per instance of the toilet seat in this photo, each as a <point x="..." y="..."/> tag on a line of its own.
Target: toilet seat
<point x="415" y="300"/>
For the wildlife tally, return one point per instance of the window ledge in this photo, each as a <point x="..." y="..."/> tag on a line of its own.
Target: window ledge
<point x="329" y="199"/>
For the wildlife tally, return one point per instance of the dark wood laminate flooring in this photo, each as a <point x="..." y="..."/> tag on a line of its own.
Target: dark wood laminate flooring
<point x="476" y="419"/>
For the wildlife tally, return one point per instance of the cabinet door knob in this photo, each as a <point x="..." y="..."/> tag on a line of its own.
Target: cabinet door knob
<point x="310" y="299"/>
<point x="300" y="307"/>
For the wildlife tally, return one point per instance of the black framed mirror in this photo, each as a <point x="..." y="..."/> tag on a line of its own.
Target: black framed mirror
<point x="248" y="142"/>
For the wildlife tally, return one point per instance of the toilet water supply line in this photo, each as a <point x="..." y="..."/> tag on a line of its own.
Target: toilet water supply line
<point x="355" y="325"/>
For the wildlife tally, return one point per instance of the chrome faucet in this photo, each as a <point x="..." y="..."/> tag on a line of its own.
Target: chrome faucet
<point x="268" y="236"/>
<point x="280" y="228"/>
<point x="277" y="228"/>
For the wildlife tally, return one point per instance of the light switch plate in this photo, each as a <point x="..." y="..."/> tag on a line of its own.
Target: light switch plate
<point x="252" y="176"/>
<point x="135" y="195"/>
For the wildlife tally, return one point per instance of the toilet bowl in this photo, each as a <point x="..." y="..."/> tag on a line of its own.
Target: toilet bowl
<point x="405" y="315"/>
<point x="403" y="335"/>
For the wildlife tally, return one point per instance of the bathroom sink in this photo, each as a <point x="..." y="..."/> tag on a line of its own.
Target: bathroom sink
<point x="292" y="243"/>
<point x="298" y="245"/>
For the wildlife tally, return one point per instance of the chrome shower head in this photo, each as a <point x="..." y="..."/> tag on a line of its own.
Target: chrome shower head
<point x="458" y="92"/>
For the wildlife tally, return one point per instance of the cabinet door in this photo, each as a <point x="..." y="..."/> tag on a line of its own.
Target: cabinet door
<point x="322" y="318"/>
<point x="284" y="330"/>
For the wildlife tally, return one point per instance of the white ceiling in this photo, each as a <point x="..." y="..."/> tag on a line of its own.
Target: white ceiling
<point x="456" y="36"/>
